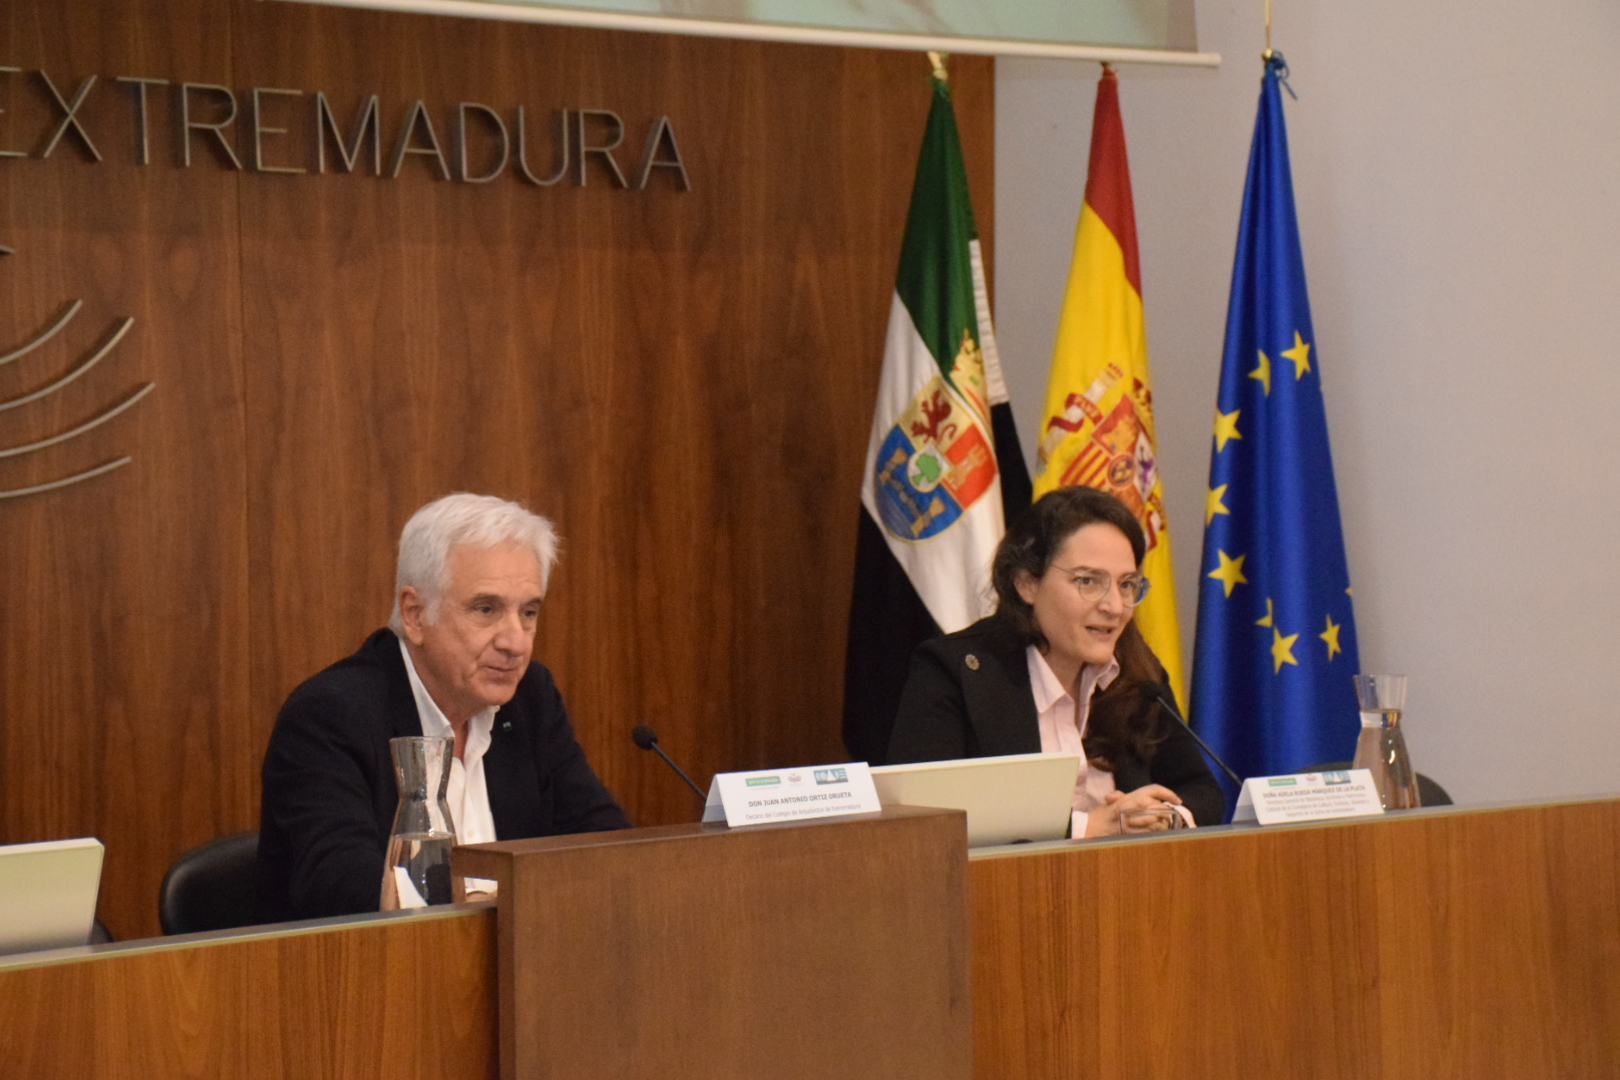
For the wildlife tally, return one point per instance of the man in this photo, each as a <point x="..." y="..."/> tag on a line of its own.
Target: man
<point x="454" y="660"/>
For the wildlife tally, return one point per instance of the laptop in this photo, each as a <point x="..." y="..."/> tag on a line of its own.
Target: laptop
<point x="48" y="894"/>
<point x="1008" y="799"/>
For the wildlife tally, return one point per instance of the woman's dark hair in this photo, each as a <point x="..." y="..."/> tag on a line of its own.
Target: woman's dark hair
<point x="1122" y="717"/>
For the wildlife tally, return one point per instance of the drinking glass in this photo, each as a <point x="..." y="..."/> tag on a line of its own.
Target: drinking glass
<point x="1150" y="819"/>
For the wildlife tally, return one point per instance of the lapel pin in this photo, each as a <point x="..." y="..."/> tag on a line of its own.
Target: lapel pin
<point x="972" y="662"/>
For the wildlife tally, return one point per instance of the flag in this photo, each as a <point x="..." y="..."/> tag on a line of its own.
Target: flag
<point x="934" y="497"/>
<point x="1098" y="426"/>
<point x="1276" y="648"/>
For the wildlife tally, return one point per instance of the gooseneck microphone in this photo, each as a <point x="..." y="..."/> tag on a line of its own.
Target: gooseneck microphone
<point x="646" y="738"/>
<point x="1158" y="693"/>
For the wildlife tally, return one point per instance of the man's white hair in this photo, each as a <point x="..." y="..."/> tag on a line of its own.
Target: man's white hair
<point x="480" y="520"/>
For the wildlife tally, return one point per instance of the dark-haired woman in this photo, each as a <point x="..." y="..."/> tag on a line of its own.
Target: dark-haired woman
<point x="1061" y="668"/>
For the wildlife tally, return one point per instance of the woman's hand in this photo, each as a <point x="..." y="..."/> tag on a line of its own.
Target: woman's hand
<point x="1104" y="820"/>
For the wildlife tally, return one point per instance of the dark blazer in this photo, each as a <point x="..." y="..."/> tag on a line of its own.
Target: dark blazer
<point x="968" y="695"/>
<point x="329" y="792"/>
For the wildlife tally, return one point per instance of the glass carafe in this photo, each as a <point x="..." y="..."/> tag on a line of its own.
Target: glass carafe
<point x="1382" y="746"/>
<point x="417" y="870"/>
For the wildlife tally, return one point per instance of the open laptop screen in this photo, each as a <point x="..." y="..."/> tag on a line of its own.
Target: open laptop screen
<point x="1007" y="799"/>
<point x="48" y="894"/>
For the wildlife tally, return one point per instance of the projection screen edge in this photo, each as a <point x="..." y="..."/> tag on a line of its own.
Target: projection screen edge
<point x="662" y="24"/>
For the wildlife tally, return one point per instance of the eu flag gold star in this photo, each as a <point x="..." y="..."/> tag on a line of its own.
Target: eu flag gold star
<point x="1270" y="619"/>
<point x="1300" y="354"/>
<point x="1230" y="572"/>
<point x="1263" y="373"/>
<point x="1213" y="504"/>
<point x="1282" y="649"/>
<point x="1331" y="636"/>
<point x="1225" y="428"/>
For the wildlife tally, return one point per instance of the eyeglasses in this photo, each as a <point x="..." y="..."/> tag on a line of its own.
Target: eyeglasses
<point x="1093" y="585"/>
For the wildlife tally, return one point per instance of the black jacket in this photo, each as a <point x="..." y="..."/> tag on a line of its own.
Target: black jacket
<point x="969" y="696"/>
<point x="329" y="792"/>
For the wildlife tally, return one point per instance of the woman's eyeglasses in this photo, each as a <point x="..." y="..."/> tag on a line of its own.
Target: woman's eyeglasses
<point x="1093" y="585"/>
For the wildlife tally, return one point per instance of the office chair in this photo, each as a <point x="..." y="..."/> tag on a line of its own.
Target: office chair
<point x="212" y="887"/>
<point x="1429" y="792"/>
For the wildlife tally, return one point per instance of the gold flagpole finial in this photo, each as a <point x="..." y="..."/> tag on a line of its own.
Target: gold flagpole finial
<point x="938" y="60"/>
<point x="1266" y="56"/>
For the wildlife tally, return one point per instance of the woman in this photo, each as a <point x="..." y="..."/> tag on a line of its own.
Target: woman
<point x="1061" y="668"/>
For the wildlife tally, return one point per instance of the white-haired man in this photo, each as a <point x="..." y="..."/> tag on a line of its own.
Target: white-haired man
<point x="454" y="660"/>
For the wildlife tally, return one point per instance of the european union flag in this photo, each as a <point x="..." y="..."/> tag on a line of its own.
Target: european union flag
<point x="1272" y="689"/>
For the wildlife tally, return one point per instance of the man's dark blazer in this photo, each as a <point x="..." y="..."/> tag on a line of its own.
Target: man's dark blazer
<point x="330" y="796"/>
<point x="968" y="695"/>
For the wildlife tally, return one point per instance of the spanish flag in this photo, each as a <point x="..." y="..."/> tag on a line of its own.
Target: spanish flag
<point x="1098" y="426"/>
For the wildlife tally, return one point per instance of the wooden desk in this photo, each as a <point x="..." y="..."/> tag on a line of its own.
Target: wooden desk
<point x="836" y="946"/>
<point x="1460" y="943"/>
<point x="396" y="996"/>
<point x="1455" y="942"/>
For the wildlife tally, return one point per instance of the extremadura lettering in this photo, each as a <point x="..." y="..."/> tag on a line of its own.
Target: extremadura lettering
<point x="295" y="132"/>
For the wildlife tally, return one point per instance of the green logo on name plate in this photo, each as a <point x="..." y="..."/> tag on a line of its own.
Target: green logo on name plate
<point x="1276" y="781"/>
<point x="763" y="781"/>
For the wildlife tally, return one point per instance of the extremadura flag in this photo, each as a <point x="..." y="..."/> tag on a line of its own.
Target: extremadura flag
<point x="934" y="487"/>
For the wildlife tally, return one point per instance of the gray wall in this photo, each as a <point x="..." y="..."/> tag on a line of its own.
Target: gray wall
<point x="1457" y="171"/>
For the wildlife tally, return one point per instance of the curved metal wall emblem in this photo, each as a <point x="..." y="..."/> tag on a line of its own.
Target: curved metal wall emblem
<point x="45" y="334"/>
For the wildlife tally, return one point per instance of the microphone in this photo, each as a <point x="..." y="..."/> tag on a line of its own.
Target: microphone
<point x="646" y="738"/>
<point x="1168" y="703"/>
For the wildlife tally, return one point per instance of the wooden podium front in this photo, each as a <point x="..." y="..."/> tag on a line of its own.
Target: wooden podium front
<point x="1459" y="943"/>
<point x="832" y="947"/>
<point x="1447" y="944"/>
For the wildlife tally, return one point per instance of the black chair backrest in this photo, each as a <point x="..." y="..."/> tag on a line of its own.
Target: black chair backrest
<point x="1429" y="792"/>
<point x="212" y="887"/>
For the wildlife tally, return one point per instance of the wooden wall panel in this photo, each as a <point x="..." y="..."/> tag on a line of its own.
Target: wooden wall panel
<point x="124" y="628"/>
<point x="682" y="380"/>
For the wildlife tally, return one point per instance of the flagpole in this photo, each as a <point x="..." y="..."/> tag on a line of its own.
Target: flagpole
<point x="1266" y="56"/>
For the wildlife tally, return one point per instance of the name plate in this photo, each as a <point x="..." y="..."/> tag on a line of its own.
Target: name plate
<point x="755" y="798"/>
<point x="1277" y="800"/>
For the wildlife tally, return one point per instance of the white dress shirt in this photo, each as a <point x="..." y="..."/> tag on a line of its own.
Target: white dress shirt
<point x="467" y="793"/>
<point x="1062" y="722"/>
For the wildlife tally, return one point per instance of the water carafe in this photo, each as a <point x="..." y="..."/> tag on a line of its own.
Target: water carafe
<point x="1382" y="746"/>
<point x="417" y="869"/>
